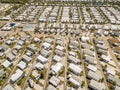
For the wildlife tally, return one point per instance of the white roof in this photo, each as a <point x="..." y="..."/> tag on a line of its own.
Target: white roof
<point x="110" y="71"/>
<point x="39" y="66"/>
<point x="26" y="58"/>
<point x="11" y="56"/>
<point x="97" y="85"/>
<point x="60" y="47"/>
<point x="47" y="45"/>
<point x="71" y="89"/>
<point x="44" y="52"/>
<point x="117" y="87"/>
<point x="42" y="59"/>
<point x="73" y="59"/>
<point x="22" y="65"/>
<point x="95" y="75"/>
<point x="8" y="87"/>
<point x="28" y="88"/>
<point x="18" y="47"/>
<point x="32" y="47"/>
<point x="57" y="58"/>
<point x="12" y="38"/>
<point x="75" y="68"/>
<point x="50" y="87"/>
<point x="86" y="45"/>
<point x="20" y="42"/>
<point x="54" y="80"/>
<point x="89" y="52"/>
<point x="61" y="53"/>
<point x="35" y="74"/>
<point x="17" y="75"/>
<point x="57" y="67"/>
<point x="9" y="42"/>
<point x="92" y="67"/>
<point x="102" y="46"/>
<point x="6" y="28"/>
<point x="72" y="53"/>
<point x="74" y="81"/>
<point x="49" y="40"/>
<point x="28" y="53"/>
<point x="90" y="59"/>
<point x="36" y="39"/>
<point x="6" y="63"/>
<point x="6" y="17"/>
<point x="84" y="38"/>
<point x="107" y="58"/>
